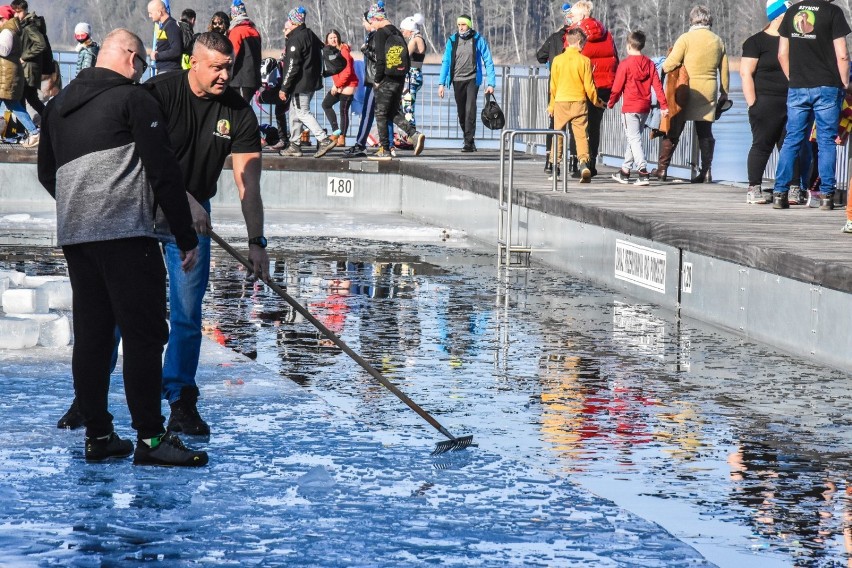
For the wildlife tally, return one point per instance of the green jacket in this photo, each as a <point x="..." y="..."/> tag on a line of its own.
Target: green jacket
<point x="33" y="45"/>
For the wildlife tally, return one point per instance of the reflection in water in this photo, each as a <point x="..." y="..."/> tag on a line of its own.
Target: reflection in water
<point x="590" y="384"/>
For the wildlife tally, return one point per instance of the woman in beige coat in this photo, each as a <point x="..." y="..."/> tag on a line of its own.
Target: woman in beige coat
<point x="702" y="54"/>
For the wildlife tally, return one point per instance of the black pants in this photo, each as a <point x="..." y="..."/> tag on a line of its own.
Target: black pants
<point x="119" y="282"/>
<point x="703" y="129"/>
<point x="466" y="93"/>
<point x="328" y="106"/>
<point x="281" y="108"/>
<point x="594" y="130"/>
<point x="246" y="93"/>
<point x="388" y="103"/>
<point x="768" y="120"/>
<point x="31" y="96"/>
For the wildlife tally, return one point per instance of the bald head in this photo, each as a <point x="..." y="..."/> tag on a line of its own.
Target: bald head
<point x="157" y="11"/>
<point x="123" y="52"/>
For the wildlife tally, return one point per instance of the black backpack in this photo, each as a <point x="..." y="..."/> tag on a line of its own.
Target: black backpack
<point x="333" y="61"/>
<point x="397" y="60"/>
<point x="492" y="115"/>
<point x="187" y="38"/>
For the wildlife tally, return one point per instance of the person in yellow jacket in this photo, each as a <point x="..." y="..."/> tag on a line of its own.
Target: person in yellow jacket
<point x="571" y="89"/>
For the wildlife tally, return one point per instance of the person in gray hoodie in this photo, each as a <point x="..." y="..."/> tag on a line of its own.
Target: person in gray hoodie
<point x="109" y="186"/>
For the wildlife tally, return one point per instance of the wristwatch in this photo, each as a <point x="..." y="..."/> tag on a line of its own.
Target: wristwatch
<point x="259" y="241"/>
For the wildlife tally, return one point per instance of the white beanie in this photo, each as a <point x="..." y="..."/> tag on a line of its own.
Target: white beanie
<point x="82" y="29"/>
<point x="412" y="23"/>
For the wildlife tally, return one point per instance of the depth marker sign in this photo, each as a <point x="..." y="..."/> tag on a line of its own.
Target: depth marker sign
<point x="640" y="265"/>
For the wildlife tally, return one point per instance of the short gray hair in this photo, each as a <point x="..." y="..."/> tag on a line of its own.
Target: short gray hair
<point x="700" y="16"/>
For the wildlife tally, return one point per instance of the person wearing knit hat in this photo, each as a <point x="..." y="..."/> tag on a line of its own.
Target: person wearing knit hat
<point x="554" y="45"/>
<point x="410" y="28"/>
<point x="247" y="44"/>
<point x="302" y="78"/>
<point x="87" y="49"/>
<point x="765" y="93"/>
<point x="466" y="63"/>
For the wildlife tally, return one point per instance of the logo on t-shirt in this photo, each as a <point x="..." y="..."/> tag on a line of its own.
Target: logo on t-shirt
<point x="804" y="23"/>
<point x="223" y="129"/>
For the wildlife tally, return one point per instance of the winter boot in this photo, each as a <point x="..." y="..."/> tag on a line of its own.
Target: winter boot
<point x="705" y="147"/>
<point x="184" y="417"/>
<point x="666" y="153"/>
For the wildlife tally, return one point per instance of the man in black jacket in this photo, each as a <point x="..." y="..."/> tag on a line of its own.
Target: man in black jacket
<point x="554" y="45"/>
<point x="168" y="51"/>
<point x="302" y="78"/>
<point x="108" y="186"/>
<point x="388" y="88"/>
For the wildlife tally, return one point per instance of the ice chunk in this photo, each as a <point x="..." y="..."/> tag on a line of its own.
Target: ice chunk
<point x="25" y="301"/>
<point x="18" y="333"/>
<point x="17" y="278"/>
<point x="5" y="284"/>
<point x="54" y="329"/>
<point x="58" y="294"/>
<point x="36" y="281"/>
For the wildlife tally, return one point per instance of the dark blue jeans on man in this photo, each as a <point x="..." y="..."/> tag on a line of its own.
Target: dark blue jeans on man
<point x="804" y="107"/>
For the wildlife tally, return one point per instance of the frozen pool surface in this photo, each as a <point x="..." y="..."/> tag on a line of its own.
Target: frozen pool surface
<point x="609" y="432"/>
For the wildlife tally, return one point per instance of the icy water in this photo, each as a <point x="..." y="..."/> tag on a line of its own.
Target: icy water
<point x="609" y="432"/>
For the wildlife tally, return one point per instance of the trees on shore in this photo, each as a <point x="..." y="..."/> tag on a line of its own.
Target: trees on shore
<point x="515" y="28"/>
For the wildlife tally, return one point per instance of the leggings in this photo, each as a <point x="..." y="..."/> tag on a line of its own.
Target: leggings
<point x="328" y="106"/>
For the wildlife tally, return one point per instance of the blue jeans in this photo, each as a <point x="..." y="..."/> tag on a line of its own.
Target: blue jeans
<point x="186" y="292"/>
<point x="804" y="106"/>
<point x="20" y="112"/>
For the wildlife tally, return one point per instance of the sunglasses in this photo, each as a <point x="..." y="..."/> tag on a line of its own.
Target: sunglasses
<point x="141" y="59"/>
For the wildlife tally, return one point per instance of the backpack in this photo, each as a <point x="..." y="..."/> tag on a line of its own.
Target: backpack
<point x="333" y="61"/>
<point x="492" y="115"/>
<point x="12" y="129"/>
<point x="47" y="54"/>
<point x="397" y="60"/>
<point x="270" y="81"/>
<point x="187" y="37"/>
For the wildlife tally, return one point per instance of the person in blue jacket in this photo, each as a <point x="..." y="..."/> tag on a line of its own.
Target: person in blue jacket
<point x="466" y="54"/>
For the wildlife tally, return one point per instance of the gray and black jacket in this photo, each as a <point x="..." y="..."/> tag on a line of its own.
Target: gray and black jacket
<point x="105" y="157"/>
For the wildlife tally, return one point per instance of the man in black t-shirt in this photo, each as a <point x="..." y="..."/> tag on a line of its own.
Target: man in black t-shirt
<point x="812" y="52"/>
<point x="207" y="121"/>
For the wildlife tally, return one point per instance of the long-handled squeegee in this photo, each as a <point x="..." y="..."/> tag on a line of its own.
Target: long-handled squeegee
<point x="452" y="444"/>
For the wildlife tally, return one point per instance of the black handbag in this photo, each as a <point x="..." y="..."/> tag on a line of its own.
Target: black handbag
<point x="492" y="114"/>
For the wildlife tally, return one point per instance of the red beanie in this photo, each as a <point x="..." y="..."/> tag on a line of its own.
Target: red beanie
<point x="7" y="12"/>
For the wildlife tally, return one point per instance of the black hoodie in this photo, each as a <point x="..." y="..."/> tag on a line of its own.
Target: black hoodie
<point x="104" y="155"/>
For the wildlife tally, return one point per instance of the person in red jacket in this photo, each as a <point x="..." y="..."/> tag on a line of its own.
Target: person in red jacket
<point x="247" y="52"/>
<point x="600" y="48"/>
<point x="343" y="90"/>
<point x="635" y="78"/>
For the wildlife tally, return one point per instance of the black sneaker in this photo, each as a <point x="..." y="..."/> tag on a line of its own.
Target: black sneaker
<point x="644" y="177"/>
<point x="100" y="449"/>
<point x="72" y="419"/>
<point x="184" y="417"/>
<point x="548" y="168"/>
<point x="780" y="201"/>
<point x="169" y="451"/>
<point x="356" y="151"/>
<point x="826" y="203"/>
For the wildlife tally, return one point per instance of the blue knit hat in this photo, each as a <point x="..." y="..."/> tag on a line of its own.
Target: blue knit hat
<point x="377" y="11"/>
<point x="775" y="8"/>
<point x="238" y="9"/>
<point x="566" y="11"/>
<point x="297" y="15"/>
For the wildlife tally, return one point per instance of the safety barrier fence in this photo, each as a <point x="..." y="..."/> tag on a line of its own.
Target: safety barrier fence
<point x="522" y="93"/>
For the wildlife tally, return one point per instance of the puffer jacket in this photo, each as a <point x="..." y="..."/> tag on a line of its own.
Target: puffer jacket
<point x="600" y="48"/>
<point x="11" y="71"/>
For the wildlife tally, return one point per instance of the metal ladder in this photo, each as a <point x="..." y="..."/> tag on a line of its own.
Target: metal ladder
<point x="506" y="248"/>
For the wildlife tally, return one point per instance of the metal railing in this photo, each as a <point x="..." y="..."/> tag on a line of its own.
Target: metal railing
<point x="522" y="92"/>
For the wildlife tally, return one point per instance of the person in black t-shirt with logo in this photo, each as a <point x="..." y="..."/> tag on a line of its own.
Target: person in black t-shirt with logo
<point x="207" y="121"/>
<point x="812" y="52"/>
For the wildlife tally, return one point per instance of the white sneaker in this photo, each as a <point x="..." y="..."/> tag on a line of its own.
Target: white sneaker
<point x="847" y="228"/>
<point x="814" y="198"/>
